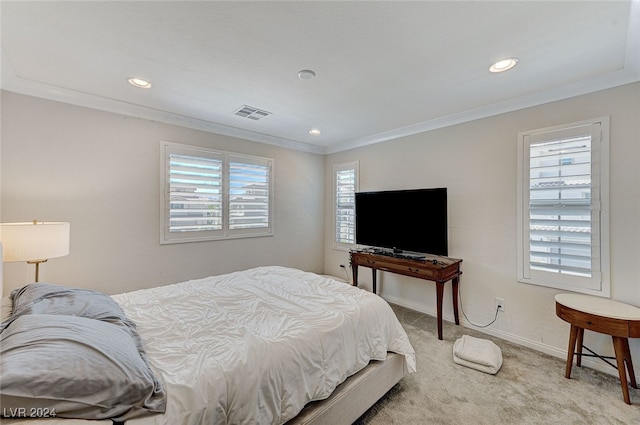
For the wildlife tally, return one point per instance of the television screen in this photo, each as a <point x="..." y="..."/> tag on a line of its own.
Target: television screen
<point x="403" y="220"/>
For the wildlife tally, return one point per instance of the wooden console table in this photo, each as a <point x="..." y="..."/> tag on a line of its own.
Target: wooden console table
<point x="621" y="321"/>
<point x="431" y="267"/>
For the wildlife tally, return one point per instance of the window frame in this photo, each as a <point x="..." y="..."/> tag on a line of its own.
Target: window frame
<point x="599" y="283"/>
<point x="338" y="168"/>
<point x="168" y="237"/>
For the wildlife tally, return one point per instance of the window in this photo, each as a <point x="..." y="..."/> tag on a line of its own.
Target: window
<point x="209" y="194"/>
<point x="563" y="181"/>
<point x="345" y="185"/>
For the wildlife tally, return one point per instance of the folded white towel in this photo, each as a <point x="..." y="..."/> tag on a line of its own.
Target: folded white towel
<point x="476" y="353"/>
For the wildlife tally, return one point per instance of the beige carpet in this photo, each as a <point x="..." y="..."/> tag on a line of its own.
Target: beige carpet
<point x="529" y="389"/>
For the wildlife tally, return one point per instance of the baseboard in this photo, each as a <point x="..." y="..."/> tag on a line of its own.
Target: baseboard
<point x="544" y="348"/>
<point x="507" y="336"/>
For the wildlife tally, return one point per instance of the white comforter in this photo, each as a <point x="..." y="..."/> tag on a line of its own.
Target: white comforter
<point x="254" y="347"/>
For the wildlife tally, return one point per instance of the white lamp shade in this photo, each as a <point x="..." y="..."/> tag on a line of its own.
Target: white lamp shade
<point x="34" y="241"/>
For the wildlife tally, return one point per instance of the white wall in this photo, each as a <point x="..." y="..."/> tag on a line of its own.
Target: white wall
<point x="476" y="161"/>
<point x="100" y="171"/>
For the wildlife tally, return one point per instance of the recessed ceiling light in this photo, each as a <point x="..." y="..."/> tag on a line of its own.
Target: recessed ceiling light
<point x="315" y="132"/>
<point x="503" y="65"/>
<point x="306" y="74"/>
<point x="137" y="82"/>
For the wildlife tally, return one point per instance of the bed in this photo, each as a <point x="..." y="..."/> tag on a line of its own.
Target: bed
<point x="268" y="345"/>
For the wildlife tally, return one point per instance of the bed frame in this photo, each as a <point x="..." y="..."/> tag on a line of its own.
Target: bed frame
<point x="355" y="396"/>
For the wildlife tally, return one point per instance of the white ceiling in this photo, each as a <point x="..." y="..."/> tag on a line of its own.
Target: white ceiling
<point x="384" y="69"/>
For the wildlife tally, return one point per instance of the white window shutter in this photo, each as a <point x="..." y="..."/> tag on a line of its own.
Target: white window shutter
<point x="249" y="193"/>
<point x="207" y="194"/>
<point x="345" y="186"/>
<point x="195" y="193"/>
<point x="563" y="181"/>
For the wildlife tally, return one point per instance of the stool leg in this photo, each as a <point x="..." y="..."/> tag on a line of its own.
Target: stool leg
<point x="618" y="345"/>
<point x="579" y="347"/>
<point x="629" y="362"/>
<point x="573" y="335"/>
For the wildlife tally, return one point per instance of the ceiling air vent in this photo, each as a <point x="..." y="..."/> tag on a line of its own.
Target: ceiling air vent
<point x="251" y="113"/>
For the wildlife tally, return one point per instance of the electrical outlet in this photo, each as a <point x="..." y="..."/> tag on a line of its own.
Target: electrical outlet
<point x="500" y="304"/>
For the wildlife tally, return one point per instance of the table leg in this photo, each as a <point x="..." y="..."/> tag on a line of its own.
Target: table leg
<point x="579" y="347"/>
<point x="573" y="335"/>
<point x="454" y="287"/>
<point x="439" y="296"/>
<point x="618" y="345"/>
<point x="374" y="278"/>
<point x="354" y="271"/>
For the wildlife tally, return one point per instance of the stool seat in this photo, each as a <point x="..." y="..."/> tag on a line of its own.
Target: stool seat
<point x="599" y="306"/>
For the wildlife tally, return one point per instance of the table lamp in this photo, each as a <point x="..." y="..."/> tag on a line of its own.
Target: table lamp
<point x="34" y="242"/>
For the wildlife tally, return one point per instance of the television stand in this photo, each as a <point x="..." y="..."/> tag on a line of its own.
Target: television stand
<point x="430" y="267"/>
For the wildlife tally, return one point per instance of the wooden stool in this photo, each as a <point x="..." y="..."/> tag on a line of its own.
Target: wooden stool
<point x="621" y="321"/>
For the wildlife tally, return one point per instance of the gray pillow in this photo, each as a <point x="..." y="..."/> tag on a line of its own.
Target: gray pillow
<point x="77" y="368"/>
<point x="48" y="298"/>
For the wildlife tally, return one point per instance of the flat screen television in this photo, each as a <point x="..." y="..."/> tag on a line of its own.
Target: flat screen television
<point x="403" y="220"/>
